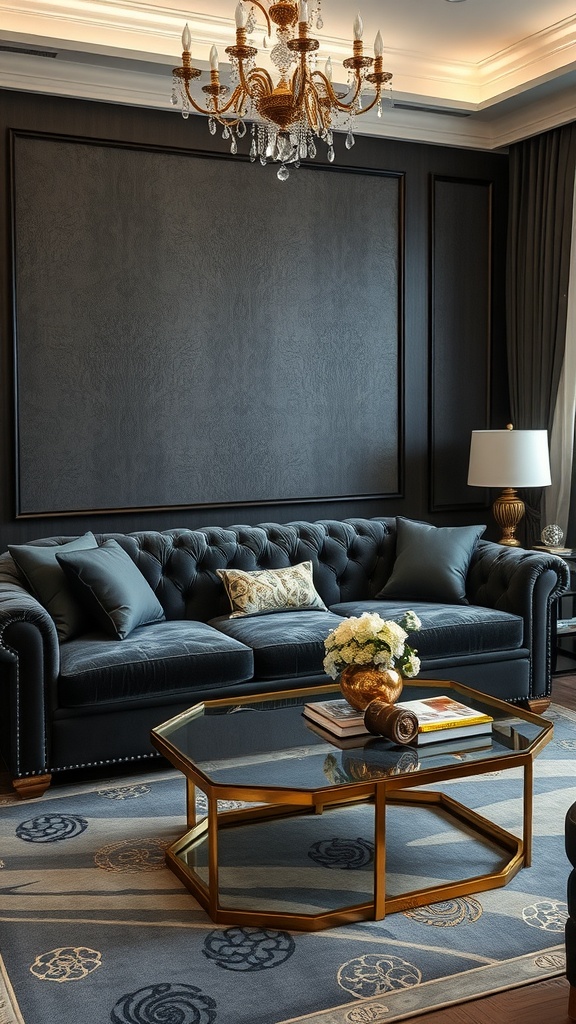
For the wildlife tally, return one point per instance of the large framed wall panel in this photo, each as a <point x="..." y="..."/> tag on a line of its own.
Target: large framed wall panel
<point x="192" y="332"/>
<point x="460" y="334"/>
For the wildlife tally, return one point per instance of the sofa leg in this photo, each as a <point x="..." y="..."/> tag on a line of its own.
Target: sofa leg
<point x="33" y="786"/>
<point x="538" y="705"/>
<point x="572" y="1003"/>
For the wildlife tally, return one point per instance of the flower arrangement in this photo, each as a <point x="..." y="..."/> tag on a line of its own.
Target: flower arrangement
<point x="369" y="639"/>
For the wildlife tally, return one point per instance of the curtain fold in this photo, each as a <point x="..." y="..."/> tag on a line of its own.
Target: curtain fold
<point x="558" y="496"/>
<point x="541" y="192"/>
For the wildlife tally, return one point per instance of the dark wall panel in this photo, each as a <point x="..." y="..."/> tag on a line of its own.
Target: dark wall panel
<point x="191" y="360"/>
<point x="460" y="321"/>
<point x="160" y="363"/>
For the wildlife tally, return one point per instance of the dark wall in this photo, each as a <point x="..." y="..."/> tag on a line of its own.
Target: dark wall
<point x="427" y="285"/>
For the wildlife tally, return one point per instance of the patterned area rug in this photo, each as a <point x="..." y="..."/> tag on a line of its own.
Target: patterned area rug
<point x="94" y="927"/>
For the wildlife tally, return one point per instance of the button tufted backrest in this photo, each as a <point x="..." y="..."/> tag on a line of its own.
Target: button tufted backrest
<point x="351" y="559"/>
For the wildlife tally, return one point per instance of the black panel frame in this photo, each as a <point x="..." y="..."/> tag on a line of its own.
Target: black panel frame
<point x="22" y="512"/>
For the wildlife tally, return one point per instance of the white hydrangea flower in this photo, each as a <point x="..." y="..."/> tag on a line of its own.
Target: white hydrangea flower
<point x="411" y="666"/>
<point x="369" y="639"/>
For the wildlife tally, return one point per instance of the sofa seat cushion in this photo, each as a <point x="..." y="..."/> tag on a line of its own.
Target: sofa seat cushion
<point x="161" y="658"/>
<point x="285" y="644"/>
<point x="448" y="630"/>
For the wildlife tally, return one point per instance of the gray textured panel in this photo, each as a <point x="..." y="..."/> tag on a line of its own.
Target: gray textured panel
<point x="460" y="316"/>
<point x="201" y="332"/>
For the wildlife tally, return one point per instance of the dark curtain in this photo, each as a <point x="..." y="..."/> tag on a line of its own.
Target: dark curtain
<point x="538" y="263"/>
<point x="570" y="539"/>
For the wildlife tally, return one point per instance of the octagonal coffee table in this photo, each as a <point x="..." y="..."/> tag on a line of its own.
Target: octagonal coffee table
<point x="260" y="847"/>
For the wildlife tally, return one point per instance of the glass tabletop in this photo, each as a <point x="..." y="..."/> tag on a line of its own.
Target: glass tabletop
<point x="268" y="743"/>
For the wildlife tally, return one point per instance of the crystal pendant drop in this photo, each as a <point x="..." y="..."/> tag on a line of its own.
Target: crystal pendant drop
<point x="250" y="22"/>
<point x="212" y="126"/>
<point x="174" y="98"/>
<point x="311" y="149"/>
<point x="226" y="132"/>
<point x="350" y="140"/>
<point x="331" y="154"/>
<point x="302" y="150"/>
<point x="241" y="129"/>
<point x="233" y="146"/>
<point x="263" y="159"/>
<point x="185" y="111"/>
<point x="329" y="138"/>
<point x="319" y="22"/>
<point x="253" y="151"/>
<point x="282" y="173"/>
<point x="379" y="108"/>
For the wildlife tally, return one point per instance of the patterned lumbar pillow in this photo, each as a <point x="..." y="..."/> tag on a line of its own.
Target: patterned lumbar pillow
<point x="271" y="590"/>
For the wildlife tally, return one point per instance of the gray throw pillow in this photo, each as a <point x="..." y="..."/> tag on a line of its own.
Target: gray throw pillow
<point x="111" y="588"/>
<point x="431" y="562"/>
<point x="47" y="582"/>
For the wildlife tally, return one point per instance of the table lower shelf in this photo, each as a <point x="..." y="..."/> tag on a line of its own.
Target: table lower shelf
<point x="308" y="869"/>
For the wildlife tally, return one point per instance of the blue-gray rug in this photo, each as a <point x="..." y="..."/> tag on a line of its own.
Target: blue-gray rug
<point x="95" y="929"/>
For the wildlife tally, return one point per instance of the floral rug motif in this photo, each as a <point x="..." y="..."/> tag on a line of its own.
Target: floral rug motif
<point x="95" y="928"/>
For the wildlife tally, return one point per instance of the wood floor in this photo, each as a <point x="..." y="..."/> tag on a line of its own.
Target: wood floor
<point x="544" y="1002"/>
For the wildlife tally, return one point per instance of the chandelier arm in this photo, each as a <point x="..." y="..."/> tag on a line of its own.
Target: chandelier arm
<point x="314" y="110"/>
<point x="346" y="107"/>
<point x="256" y="82"/>
<point x="216" y="110"/>
<point x="373" y="102"/>
<point x="192" y="102"/>
<point x="265" y="13"/>
<point x="332" y="95"/>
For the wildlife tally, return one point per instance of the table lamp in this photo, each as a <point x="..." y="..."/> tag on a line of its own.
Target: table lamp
<point x="509" y="459"/>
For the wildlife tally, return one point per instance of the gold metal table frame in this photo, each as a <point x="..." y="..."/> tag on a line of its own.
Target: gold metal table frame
<point x="272" y="803"/>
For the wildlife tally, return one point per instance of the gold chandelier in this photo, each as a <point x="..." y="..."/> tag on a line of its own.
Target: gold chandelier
<point x="302" y="106"/>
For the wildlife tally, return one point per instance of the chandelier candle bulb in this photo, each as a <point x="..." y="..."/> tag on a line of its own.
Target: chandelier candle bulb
<point x="358" y="27"/>
<point x="303" y="11"/>
<point x="241" y="16"/>
<point x="186" y="39"/>
<point x="328" y="69"/>
<point x="378" y="45"/>
<point x="213" y="59"/>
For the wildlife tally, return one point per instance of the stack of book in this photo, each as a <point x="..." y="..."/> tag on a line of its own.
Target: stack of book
<point x="439" y="718"/>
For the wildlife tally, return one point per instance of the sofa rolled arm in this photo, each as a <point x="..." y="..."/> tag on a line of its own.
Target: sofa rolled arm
<point x="29" y="668"/>
<point x="525" y="583"/>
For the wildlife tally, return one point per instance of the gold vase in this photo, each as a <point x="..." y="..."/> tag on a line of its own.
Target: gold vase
<point x="361" y="684"/>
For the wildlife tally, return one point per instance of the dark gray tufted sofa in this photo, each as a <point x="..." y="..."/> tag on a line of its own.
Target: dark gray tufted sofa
<point x="91" y="701"/>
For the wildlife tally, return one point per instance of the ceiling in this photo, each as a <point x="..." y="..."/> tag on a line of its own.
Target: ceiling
<point x="474" y="73"/>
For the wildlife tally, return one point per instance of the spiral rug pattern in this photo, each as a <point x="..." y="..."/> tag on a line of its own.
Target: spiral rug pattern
<point x="95" y="928"/>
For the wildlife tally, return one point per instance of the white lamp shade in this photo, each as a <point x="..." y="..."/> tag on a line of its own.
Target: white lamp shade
<point x="509" y="458"/>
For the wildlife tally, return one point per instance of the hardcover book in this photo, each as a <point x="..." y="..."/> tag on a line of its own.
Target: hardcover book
<point x="338" y="716"/>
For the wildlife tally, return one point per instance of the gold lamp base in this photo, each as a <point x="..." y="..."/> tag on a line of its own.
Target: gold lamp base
<point x="508" y="510"/>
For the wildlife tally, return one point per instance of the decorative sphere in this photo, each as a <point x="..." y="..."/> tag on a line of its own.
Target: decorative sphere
<point x="552" y="535"/>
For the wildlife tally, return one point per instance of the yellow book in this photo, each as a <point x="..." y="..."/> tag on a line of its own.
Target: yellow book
<point x="439" y="714"/>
